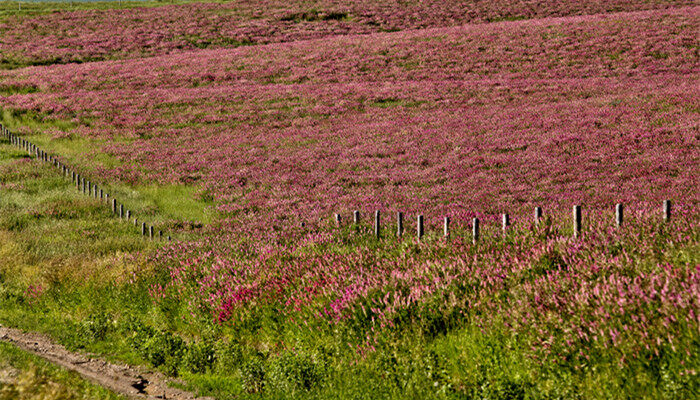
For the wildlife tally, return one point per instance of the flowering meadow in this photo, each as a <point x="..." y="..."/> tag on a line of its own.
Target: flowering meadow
<point x="624" y="299"/>
<point x="479" y="118"/>
<point x="82" y="36"/>
<point x="281" y="116"/>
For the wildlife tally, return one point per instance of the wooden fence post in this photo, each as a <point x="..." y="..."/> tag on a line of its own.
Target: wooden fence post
<point x="667" y="210"/>
<point x="538" y="215"/>
<point x="506" y="222"/>
<point x="150" y="232"/>
<point x="356" y="217"/>
<point x="619" y="210"/>
<point x="143" y="229"/>
<point x="577" y="221"/>
<point x="114" y="206"/>
<point x="446" y="227"/>
<point x="377" y="222"/>
<point x="337" y="220"/>
<point x="121" y="211"/>
<point x="399" y="224"/>
<point x="419" y="227"/>
<point x="475" y="230"/>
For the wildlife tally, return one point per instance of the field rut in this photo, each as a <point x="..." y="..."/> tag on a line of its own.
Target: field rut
<point x="132" y="382"/>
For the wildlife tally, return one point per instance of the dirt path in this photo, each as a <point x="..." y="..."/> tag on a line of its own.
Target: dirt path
<point x="134" y="383"/>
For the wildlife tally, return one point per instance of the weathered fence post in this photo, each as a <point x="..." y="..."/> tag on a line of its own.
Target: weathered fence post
<point x="399" y="224"/>
<point x="619" y="211"/>
<point x="667" y="210"/>
<point x="121" y="211"/>
<point x="143" y="229"/>
<point x="337" y="220"/>
<point x="356" y="217"/>
<point x="506" y="222"/>
<point x="475" y="230"/>
<point x="446" y="227"/>
<point x="577" y="221"/>
<point x="377" y="222"/>
<point x="114" y="206"/>
<point x="538" y="215"/>
<point x="102" y="194"/>
<point x="150" y="232"/>
<point x="419" y="227"/>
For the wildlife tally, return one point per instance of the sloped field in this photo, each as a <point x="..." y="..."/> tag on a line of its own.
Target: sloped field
<point x="452" y="119"/>
<point x="483" y="118"/>
<point x="81" y="36"/>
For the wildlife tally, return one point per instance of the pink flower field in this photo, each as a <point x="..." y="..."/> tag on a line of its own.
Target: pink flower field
<point x="82" y="36"/>
<point x="281" y="114"/>
<point x="478" y="118"/>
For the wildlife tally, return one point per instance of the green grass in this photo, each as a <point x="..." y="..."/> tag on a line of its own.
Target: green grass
<point x="48" y="218"/>
<point x="31" y="8"/>
<point x="38" y="379"/>
<point x="166" y="206"/>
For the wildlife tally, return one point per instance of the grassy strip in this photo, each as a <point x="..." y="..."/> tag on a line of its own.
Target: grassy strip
<point x="9" y="9"/>
<point x="39" y="379"/>
<point x="168" y="207"/>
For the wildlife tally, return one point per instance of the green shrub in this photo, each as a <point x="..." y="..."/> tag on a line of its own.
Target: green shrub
<point x="165" y="350"/>
<point x="228" y="357"/>
<point x="295" y="372"/>
<point x="253" y="375"/>
<point x="199" y="357"/>
<point x="162" y="349"/>
<point x="137" y="334"/>
<point x="95" y="327"/>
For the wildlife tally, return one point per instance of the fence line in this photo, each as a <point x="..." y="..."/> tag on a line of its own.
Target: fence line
<point x="577" y="218"/>
<point x="83" y="185"/>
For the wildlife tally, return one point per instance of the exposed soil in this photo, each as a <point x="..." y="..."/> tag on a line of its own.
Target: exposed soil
<point x="133" y="382"/>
